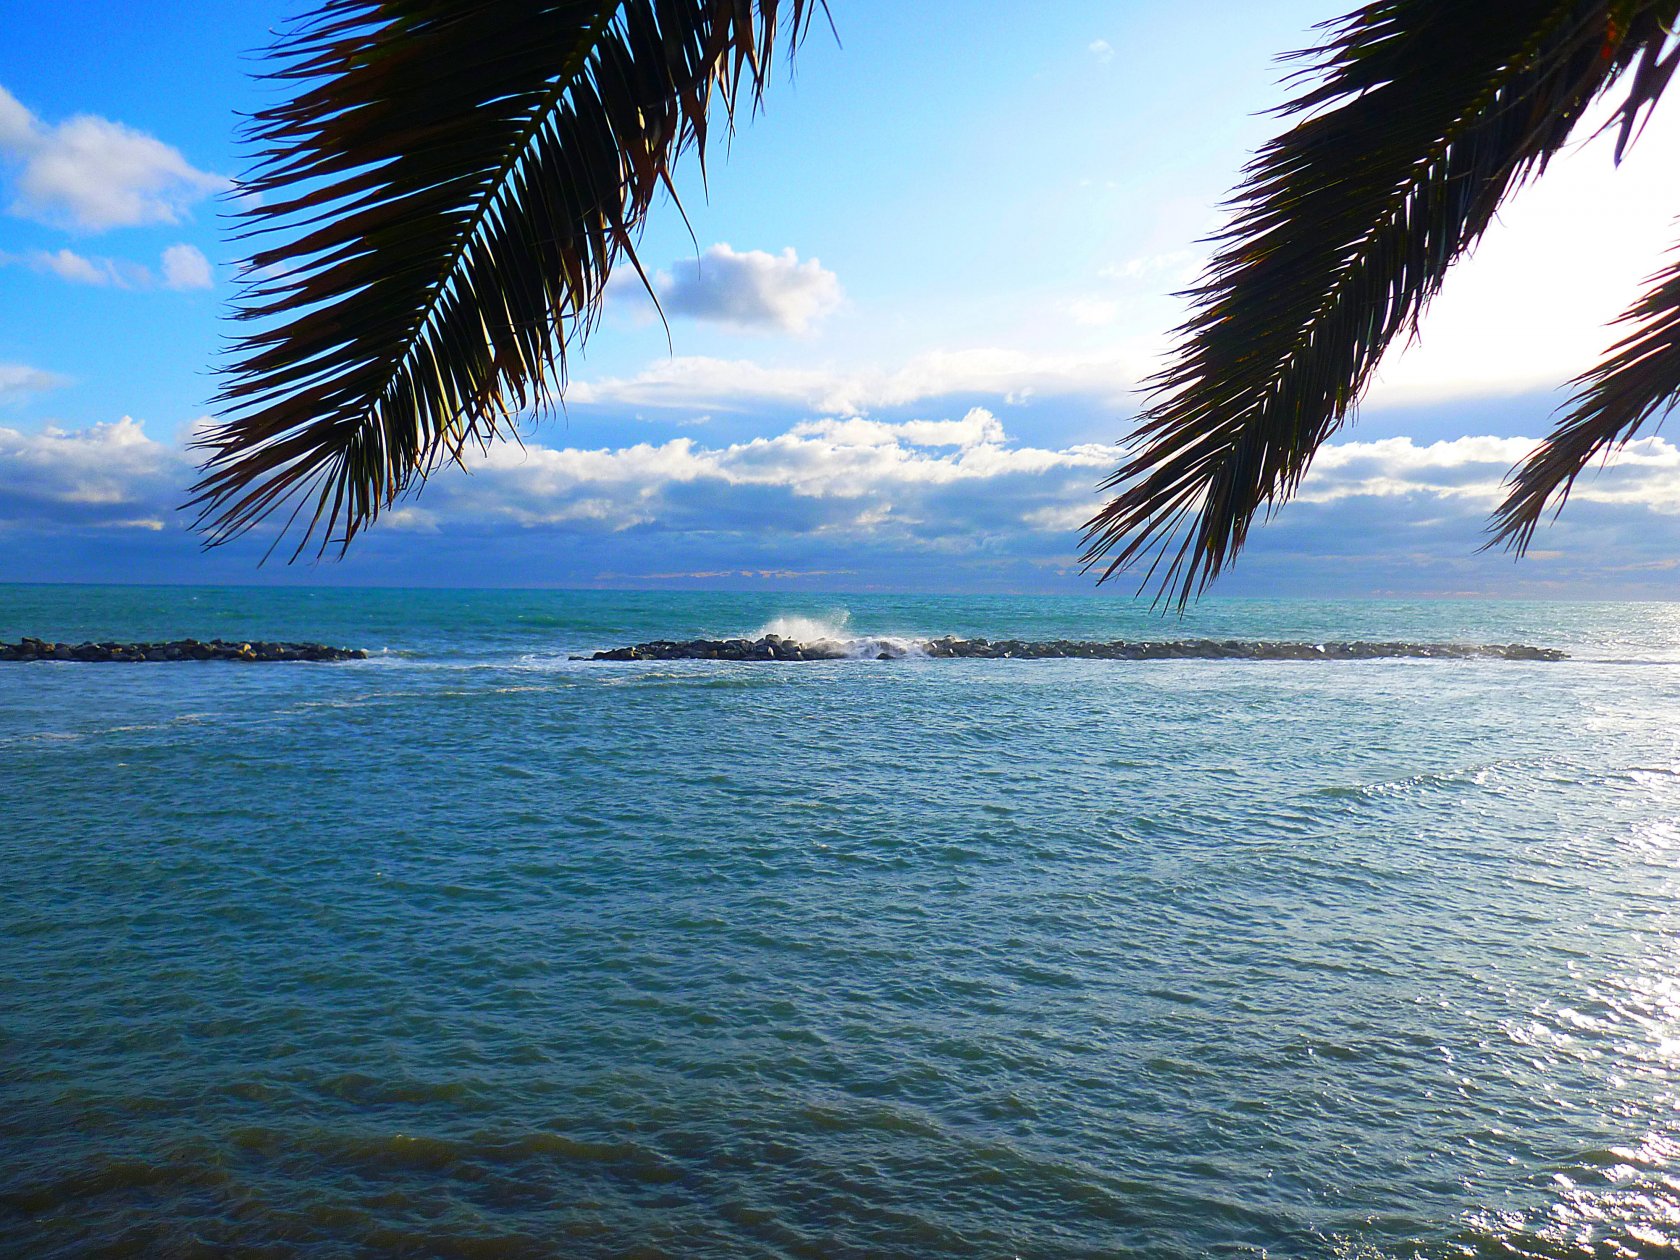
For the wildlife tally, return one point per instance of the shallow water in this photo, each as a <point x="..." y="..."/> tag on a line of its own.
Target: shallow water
<point x="472" y="950"/>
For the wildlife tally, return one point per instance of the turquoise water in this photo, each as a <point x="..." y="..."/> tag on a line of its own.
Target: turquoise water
<point x="471" y="950"/>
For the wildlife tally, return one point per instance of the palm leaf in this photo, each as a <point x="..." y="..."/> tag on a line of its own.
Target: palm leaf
<point x="1420" y="117"/>
<point x="437" y="206"/>
<point x="1640" y="380"/>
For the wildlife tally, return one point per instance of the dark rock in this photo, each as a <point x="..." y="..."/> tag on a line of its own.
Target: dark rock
<point x="777" y="648"/>
<point x="31" y="649"/>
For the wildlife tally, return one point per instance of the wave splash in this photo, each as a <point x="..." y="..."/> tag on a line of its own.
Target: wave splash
<point x="807" y="629"/>
<point x="830" y="638"/>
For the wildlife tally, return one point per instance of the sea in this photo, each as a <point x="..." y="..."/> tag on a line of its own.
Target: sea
<point x="472" y="949"/>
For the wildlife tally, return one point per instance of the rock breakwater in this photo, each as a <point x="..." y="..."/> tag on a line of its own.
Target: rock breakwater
<point x="176" y="650"/>
<point x="773" y="647"/>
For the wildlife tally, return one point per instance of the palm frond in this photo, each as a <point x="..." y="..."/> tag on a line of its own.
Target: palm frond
<point x="1420" y="117"/>
<point x="436" y="207"/>
<point x="1638" y="381"/>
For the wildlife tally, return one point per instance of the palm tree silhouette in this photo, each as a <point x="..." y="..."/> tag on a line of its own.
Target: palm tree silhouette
<point x="1419" y="118"/>
<point x="441" y="199"/>
<point x="437" y="206"/>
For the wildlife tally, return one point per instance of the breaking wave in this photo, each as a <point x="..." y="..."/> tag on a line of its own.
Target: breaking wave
<point x="833" y="638"/>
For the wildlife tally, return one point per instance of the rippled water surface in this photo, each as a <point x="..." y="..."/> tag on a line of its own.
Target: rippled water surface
<point x="472" y="950"/>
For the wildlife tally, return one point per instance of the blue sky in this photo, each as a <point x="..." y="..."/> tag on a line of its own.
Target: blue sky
<point x="904" y="335"/>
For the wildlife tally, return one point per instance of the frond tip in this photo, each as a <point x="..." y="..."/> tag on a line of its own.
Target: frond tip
<point x="1639" y="382"/>
<point x="439" y="204"/>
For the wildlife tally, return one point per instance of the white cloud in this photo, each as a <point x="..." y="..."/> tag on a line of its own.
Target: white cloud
<point x="68" y="265"/>
<point x="76" y="268"/>
<point x="1101" y="49"/>
<point x="1068" y="519"/>
<point x="707" y="384"/>
<point x="410" y="519"/>
<point x="92" y="174"/>
<point x="18" y="380"/>
<point x="185" y="267"/>
<point x="751" y="289"/>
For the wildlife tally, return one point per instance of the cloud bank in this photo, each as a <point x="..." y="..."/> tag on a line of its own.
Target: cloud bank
<point x="938" y="503"/>
<point x="106" y="476"/>
<point x="844" y="476"/>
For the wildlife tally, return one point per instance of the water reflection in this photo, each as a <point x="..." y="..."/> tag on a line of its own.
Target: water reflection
<point x="1620" y="1199"/>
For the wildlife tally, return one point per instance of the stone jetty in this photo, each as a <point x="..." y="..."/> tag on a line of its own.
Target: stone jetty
<point x="176" y="650"/>
<point x="773" y="647"/>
